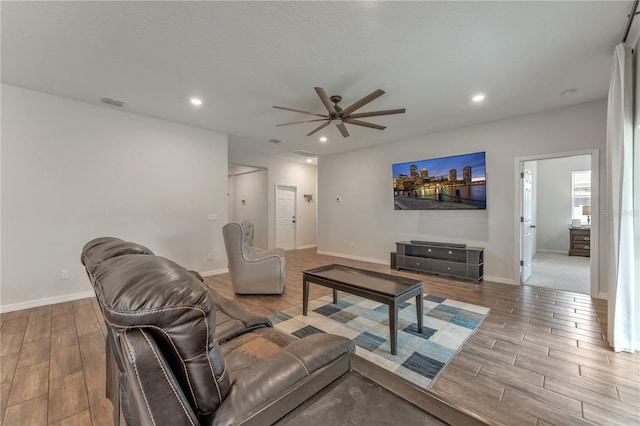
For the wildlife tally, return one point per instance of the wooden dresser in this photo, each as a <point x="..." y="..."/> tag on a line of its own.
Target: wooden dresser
<point x="579" y="242"/>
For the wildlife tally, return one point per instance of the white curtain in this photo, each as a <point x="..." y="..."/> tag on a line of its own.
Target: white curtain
<point x="622" y="208"/>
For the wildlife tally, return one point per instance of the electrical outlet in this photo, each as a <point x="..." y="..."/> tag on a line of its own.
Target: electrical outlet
<point x="210" y="256"/>
<point x="64" y="275"/>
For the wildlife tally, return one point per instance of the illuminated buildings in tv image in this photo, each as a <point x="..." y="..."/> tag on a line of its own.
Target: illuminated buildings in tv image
<point x="448" y="183"/>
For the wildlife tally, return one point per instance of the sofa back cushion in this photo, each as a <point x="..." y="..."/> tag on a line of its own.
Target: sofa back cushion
<point x="100" y="249"/>
<point x="248" y="230"/>
<point x="161" y="297"/>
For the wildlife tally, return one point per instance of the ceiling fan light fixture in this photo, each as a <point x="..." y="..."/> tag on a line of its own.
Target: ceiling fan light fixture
<point x="339" y="116"/>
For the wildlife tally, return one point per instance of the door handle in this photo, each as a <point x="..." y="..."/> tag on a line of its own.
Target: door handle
<point x="532" y="226"/>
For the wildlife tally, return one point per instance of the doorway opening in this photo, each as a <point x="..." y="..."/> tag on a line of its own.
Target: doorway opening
<point x="557" y="221"/>
<point x="247" y="199"/>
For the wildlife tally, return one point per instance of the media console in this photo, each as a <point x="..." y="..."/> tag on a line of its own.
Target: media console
<point x="456" y="260"/>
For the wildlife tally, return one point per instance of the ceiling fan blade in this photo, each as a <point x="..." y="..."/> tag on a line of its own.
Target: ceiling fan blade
<point x="362" y="102"/>
<point x="343" y="130"/>
<point x="375" y="113"/>
<point x="365" y="124"/>
<point x="318" y="128"/>
<point x="299" y="110"/>
<point x="326" y="101"/>
<point x="304" y="121"/>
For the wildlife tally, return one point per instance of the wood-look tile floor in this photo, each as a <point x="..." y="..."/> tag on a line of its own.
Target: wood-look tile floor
<point x="539" y="358"/>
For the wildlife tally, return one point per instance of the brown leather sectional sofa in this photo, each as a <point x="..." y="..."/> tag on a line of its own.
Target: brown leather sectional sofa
<point x="180" y="354"/>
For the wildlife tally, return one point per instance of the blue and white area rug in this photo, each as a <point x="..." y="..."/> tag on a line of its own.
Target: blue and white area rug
<point x="421" y="356"/>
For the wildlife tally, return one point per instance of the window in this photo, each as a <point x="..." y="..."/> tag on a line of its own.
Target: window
<point x="581" y="196"/>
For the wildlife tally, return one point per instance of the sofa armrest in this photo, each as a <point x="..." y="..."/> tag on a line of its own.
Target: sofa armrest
<point x="274" y="376"/>
<point x="261" y="276"/>
<point x="233" y="320"/>
<point x="261" y="254"/>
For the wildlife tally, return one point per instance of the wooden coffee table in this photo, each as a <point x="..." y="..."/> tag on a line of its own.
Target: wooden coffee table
<point x="384" y="288"/>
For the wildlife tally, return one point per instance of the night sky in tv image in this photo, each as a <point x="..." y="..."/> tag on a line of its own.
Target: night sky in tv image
<point x="447" y="183"/>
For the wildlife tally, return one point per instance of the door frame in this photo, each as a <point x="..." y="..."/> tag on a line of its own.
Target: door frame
<point x="295" y="213"/>
<point x="594" y="259"/>
<point x="533" y="203"/>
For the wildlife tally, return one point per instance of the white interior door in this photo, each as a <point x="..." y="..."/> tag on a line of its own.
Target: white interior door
<point x="527" y="225"/>
<point x="285" y="217"/>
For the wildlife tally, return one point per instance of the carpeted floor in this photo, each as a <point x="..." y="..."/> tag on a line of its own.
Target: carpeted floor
<point x="421" y="356"/>
<point x="561" y="272"/>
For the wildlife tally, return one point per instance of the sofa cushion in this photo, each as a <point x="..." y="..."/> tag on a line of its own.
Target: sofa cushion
<point x="242" y="353"/>
<point x="266" y="364"/>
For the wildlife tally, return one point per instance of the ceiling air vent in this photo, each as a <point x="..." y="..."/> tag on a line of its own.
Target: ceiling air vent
<point x="275" y="140"/>
<point x="305" y="153"/>
<point x="113" y="102"/>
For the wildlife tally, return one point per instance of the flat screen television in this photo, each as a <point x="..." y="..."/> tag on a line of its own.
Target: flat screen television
<point x="447" y="183"/>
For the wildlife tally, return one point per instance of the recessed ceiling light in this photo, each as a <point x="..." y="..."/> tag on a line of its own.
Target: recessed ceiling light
<point x="323" y="139"/>
<point x="196" y="101"/>
<point x="478" y="98"/>
<point x="309" y="160"/>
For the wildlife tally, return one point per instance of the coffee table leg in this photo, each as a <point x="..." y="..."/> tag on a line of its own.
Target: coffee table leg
<point x="393" y="327"/>
<point x="419" y="311"/>
<point x="335" y="296"/>
<point x="305" y="295"/>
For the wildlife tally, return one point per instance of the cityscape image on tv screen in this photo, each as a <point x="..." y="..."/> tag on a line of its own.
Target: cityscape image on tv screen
<point x="447" y="183"/>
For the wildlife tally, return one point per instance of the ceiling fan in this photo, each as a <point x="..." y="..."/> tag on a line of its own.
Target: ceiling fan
<point x="344" y="116"/>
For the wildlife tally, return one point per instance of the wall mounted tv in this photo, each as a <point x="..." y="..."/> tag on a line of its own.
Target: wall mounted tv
<point x="446" y="183"/>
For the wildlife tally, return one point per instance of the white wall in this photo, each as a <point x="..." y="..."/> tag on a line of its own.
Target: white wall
<point x="365" y="224"/>
<point x="73" y="171"/>
<point x="303" y="176"/>
<point x="554" y="201"/>
<point x="253" y="189"/>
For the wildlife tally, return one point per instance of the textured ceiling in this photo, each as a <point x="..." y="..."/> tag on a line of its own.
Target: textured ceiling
<point x="243" y="57"/>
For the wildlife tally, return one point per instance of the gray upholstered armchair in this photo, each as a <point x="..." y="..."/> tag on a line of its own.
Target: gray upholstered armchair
<point x="252" y="271"/>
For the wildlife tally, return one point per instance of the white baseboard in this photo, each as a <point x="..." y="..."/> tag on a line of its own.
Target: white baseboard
<point x="306" y="247"/>
<point x="565" y="252"/>
<point x="214" y="272"/>
<point x="47" y="301"/>
<point x="363" y="259"/>
<point x="500" y="280"/>
<point x="75" y="296"/>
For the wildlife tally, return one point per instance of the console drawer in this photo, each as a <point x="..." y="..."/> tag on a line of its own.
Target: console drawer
<point x="449" y="268"/>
